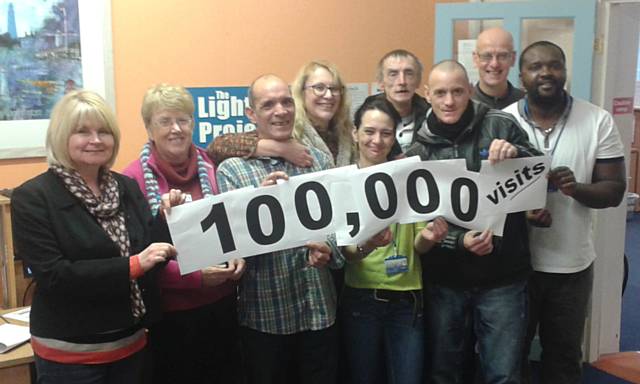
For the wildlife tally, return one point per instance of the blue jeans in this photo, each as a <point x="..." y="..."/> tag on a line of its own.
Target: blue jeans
<point x="497" y="317"/>
<point x="383" y="335"/>
<point x="124" y="371"/>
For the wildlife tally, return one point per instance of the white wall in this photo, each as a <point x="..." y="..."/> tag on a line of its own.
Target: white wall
<point x="613" y="76"/>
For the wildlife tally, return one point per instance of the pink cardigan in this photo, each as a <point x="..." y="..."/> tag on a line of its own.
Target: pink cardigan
<point x="181" y="292"/>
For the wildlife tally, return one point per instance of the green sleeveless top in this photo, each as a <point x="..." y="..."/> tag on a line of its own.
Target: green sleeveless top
<point x="370" y="272"/>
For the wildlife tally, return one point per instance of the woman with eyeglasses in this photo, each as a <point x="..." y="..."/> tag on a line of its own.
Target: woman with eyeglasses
<point x="382" y="314"/>
<point x="196" y="339"/>
<point x="85" y="232"/>
<point x="322" y="121"/>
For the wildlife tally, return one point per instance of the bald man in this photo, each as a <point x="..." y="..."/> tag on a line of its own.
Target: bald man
<point x="494" y="56"/>
<point x="287" y="300"/>
<point x="473" y="280"/>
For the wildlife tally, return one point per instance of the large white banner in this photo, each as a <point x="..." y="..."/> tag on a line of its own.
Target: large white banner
<point x="354" y="204"/>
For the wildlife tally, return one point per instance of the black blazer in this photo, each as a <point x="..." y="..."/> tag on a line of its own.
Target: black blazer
<point x="82" y="281"/>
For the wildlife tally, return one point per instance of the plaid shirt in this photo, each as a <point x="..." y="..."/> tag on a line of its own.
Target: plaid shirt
<point x="279" y="293"/>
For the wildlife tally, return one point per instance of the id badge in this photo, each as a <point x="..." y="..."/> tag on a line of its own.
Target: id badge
<point x="396" y="264"/>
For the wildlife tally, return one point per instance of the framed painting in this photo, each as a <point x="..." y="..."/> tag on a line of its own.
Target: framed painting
<point x="47" y="48"/>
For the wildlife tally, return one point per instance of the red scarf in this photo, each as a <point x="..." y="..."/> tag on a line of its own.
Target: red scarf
<point x="184" y="176"/>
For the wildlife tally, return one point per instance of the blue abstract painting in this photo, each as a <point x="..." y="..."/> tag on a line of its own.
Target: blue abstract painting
<point x="40" y="56"/>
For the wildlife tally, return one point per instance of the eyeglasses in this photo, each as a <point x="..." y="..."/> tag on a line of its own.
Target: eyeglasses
<point x="169" y="122"/>
<point x="320" y="89"/>
<point x="502" y="57"/>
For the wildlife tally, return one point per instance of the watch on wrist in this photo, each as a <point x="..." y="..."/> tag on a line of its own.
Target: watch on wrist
<point x="361" y="251"/>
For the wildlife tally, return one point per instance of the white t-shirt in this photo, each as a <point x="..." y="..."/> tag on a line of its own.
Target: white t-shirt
<point x="404" y="132"/>
<point x="589" y="134"/>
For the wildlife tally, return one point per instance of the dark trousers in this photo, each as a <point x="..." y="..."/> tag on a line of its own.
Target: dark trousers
<point x="124" y="371"/>
<point x="558" y="307"/>
<point x="308" y="357"/>
<point x="199" y="345"/>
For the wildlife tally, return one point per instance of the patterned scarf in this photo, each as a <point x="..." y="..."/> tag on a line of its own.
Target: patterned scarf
<point x="151" y="183"/>
<point x="106" y="211"/>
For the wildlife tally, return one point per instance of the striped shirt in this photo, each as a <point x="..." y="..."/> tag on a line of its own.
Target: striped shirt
<point x="279" y="293"/>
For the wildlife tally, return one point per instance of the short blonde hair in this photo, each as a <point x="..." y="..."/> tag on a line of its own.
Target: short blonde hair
<point x="341" y="121"/>
<point x="166" y="96"/>
<point x="68" y="114"/>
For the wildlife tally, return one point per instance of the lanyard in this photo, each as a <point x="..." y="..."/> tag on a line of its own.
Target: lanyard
<point x="393" y="239"/>
<point x="563" y="120"/>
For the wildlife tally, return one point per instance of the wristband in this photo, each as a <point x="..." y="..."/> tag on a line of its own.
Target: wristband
<point x="135" y="269"/>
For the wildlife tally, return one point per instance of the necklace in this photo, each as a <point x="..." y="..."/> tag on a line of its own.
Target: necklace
<point x="546" y="132"/>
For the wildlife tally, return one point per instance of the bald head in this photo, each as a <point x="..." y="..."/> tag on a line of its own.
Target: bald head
<point x="449" y="67"/>
<point x="259" y="82"/>
<point x="493" y="57"/>
<point x="448" y="91"/>
<point x="271" y="107"/>
<point x="494" y="37"/>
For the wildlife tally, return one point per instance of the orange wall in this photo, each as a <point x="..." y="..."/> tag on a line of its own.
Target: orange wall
<point x="227" y="43"/>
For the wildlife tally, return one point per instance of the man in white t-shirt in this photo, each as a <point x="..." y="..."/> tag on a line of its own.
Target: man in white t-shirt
<point x="587" y="172"/>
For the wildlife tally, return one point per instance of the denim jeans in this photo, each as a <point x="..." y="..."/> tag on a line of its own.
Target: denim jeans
<point x="383" y="336"/>
<point x="497" y="317"/>
<point x="124" y="371"/>
<point x="558" y="306"/>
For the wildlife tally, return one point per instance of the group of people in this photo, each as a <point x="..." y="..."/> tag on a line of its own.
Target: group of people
<point x="415" y="303"/>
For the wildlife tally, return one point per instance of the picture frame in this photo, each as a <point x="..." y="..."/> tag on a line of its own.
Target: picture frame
<point x="26" y="138"/>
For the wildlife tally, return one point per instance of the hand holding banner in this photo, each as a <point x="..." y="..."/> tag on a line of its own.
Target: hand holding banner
<point x="355" y="204"/>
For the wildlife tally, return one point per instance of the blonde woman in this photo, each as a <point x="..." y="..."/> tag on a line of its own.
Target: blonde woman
<point x="85" y="233"/>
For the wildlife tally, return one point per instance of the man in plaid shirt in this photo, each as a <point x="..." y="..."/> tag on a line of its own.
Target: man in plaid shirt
<point x="287" y="300"/>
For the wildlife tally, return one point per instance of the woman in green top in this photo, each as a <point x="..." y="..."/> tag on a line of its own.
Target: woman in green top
<point x="382" y="299"/>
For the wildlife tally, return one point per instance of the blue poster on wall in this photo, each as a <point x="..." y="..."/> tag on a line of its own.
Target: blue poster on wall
<point x="219" y="110"/>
